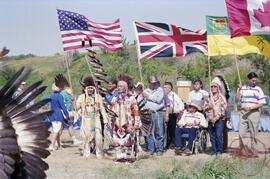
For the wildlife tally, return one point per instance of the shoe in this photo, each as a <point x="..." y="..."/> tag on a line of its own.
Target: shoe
<point x="172" y="146"/>
<point x="51" y="148"/>
<point x="178" y="151"/>
<point x="159" y="153"/>
<point x="219" y="155"/>
<point x="151" y="153"/>
<point x="77" y="142"/>
<point x="187" y="152"/>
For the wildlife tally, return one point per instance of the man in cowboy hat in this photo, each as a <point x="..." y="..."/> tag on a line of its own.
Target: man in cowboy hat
<point x="189" y="123"/>
<point x="155" y="97"/>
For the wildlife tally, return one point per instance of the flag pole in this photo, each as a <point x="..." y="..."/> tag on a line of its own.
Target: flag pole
<point x="66" y="58"/>
<point x="209" y="70"/>
<point x="137" y="48"/>
<point x="140" y="69"/>
<point x="236" y="63"/>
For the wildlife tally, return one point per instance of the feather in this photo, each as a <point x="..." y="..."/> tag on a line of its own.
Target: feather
<point x="98" y="75"/>
<point x="33" y="171"/>
<point x="60" y="81"/>
<point x="226" y="86"/>
<point x="35" y="160"/>
<point x="91" y="51"/>
<point x="32" y="108"/>
<point x="98" y="79"/>
<point x="3" y="175"/>
<point x="26" y="92"/>
<point x="27" y="100"/>
<point x="104" y="90"/>
<point x="10" y="132"/>
<point x="98" y="69"/>
<point x="10" y="82"/>
<point x="22" y="132"/>
<point x="93" y="62"/>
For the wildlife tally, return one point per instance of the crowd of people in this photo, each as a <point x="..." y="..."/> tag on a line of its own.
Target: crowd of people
<point x="114" y="120"/>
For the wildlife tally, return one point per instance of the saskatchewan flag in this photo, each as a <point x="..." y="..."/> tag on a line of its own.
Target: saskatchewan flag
<point x="219" y="40"/>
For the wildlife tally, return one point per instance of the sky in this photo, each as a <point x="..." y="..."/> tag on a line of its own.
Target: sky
<point x="31" y="26"/>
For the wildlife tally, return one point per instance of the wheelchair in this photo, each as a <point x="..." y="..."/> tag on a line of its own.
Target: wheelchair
<point x="200" y="141"/>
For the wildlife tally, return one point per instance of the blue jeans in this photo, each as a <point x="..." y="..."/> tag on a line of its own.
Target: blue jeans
<point x="179" y="139"/>
<point x="215" y="133"/>
<point x="158" y="131"/>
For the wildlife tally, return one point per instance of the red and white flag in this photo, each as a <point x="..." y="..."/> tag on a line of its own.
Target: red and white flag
<point x="248" y="17"/>
<point x="79" y="32"/>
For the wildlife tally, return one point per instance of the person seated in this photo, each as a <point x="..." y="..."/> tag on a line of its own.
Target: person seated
<point x="189" y="123"/>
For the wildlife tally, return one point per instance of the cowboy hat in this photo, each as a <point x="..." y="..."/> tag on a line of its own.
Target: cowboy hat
<point x="195" y="104"/>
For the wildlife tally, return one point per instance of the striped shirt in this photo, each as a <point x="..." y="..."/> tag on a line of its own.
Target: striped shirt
<point x="189" y="120"/>
<point x="250" y="96"/>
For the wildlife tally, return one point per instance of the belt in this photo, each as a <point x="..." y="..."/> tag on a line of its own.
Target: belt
<point x="159" y="110"/>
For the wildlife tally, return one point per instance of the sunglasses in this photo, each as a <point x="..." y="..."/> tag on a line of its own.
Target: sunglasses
<point x="213" y="86"/>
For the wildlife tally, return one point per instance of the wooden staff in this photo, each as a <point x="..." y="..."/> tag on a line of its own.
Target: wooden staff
<point x="66" y="58"/>
<point x="139" y="62"/>
<point x="140" y="69"/>
<point x="236" y="64"/>
<point x="209" y="70"/>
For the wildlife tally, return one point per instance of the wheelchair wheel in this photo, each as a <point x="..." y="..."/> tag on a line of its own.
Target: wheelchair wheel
<point x="203" y="141"/>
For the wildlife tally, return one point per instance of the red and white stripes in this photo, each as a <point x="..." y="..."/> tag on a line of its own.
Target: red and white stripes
<point x="107" y="36"/>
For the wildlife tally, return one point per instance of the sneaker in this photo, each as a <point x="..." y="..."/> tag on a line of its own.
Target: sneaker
<point x="151" y="153"/>
<point x="159" y="153"/>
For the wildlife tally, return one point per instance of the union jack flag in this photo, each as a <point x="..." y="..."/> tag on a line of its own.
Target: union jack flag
<point x="168" y="40"/>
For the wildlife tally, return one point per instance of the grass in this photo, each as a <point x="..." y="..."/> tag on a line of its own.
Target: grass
<point x="172" y="168"/>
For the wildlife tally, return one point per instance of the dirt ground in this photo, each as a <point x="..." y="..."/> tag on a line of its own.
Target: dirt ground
<point x="67" y="163"/>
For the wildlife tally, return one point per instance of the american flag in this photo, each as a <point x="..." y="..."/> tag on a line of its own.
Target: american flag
<point x="167" y="40"/>
<point x="79" y="32"/>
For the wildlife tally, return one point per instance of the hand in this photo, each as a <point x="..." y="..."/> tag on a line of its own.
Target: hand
<point x="145" y="95"/>
<point x="239" y="87"/>
<point x="166" y="118"/>
<point x="189" y="124"/>
<point x="97" y="105"/>
<point x="246" y="109"/>
<point x="210" y="106"/>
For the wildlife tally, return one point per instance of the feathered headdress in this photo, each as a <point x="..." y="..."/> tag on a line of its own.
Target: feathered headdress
<point x="60" y="81"/>
<point x="87" y="81"/>
<point x="223" y="85"/>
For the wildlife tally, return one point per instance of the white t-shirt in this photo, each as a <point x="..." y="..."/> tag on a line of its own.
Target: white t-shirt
<point x="200" y="96"/>
<point x="176" y="104"/>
